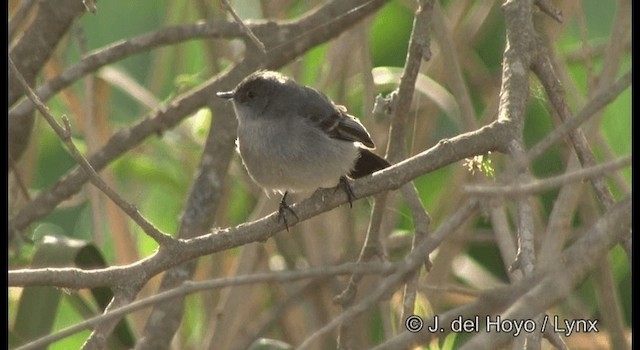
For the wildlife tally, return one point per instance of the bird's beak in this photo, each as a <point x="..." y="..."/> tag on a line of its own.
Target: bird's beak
<point x="226" y="94"/>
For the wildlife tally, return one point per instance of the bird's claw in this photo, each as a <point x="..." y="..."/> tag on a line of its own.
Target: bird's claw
<point x="282" y="209"/>
<point x="346" y="186"/>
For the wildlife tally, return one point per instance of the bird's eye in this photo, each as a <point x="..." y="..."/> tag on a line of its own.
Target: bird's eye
<point x="251" y="94"/>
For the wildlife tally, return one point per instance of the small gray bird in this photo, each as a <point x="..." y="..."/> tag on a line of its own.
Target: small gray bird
<point x="293" y="138"/>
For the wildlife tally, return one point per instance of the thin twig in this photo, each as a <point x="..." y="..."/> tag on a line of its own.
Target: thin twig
<point x="419" y="50"/>
<point x="421" y="221"/>
<point x="92" y="61"/>
<point x="537" y="186"/>
<point x="244" y="27"/>
<point x="531" y="296"/>
<point x="18" y="16"/>
<point x="547" y="7"/>
<point x="561" y="217"/>
<point x="556" y="283"/>
<point x="514" y="94"/>
<point x="371" y="248"/>
<point x="525" y="258"/>
<point x="16" y="175"/>
<point x="190" y="287"/>
<point x="454" y="71"/>
<point x="545" y="71"/>
<point x="122" y="296"/>
<point x="412" y="261"/>
<point x="596" y="103"/>
<point x="65" y="135"/>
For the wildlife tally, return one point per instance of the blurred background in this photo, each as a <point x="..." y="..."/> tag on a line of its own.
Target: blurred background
<point x="468" y="41"/>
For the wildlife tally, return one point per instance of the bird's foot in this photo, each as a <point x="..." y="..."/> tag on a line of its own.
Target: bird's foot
<point x="282" y="209"/>
<point x="346" y="186"/>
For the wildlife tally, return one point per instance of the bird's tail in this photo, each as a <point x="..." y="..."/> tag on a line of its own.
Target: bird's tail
<point x="367" y="164"/>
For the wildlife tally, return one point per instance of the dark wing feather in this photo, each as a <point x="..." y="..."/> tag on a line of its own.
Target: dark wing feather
<point x="335" y="120"/>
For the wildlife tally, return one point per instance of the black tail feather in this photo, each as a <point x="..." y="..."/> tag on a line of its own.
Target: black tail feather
<point x="367" y="164"/>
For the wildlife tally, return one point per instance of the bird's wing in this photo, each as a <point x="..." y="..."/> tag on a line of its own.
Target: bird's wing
<point x="336" y="122"/>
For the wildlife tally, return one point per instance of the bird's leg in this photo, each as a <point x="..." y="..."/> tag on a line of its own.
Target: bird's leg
<point x="346" y="186"/>
<point x="281" y="211"/>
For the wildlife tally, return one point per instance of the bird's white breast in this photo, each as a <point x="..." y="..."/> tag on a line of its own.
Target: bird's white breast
<point x="296" y="158"/>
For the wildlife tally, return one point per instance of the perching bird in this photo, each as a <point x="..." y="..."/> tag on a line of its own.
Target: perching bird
<point x="293" y="138"/>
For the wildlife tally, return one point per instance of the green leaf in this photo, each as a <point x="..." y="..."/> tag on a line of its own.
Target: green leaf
<point x="60" y="251"/>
